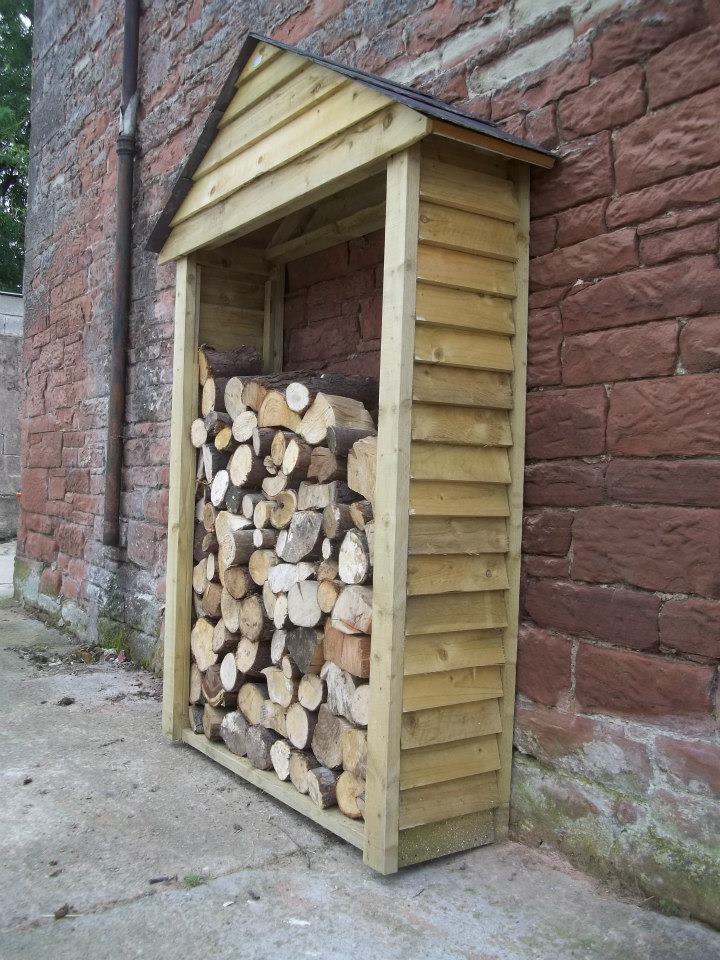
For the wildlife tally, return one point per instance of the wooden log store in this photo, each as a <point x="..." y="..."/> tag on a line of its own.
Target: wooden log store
<point x="299" y="154"/>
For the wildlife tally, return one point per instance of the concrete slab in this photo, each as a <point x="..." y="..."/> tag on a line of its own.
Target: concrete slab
<point x="94" y="804"/>
<point x="7" y="562"/>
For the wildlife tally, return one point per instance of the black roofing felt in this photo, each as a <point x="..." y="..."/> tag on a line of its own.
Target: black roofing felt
<point x="414" y="99"/>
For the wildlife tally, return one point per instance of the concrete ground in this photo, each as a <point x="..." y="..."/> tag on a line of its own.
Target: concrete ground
<point x="153" y="851"/>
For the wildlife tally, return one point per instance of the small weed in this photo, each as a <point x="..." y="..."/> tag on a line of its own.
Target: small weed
<point x="193" y="880"/>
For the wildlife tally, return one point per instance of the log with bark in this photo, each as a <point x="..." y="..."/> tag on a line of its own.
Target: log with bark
<point x="301" y="763"/>
<point x="239" y="361"/>
<point x="327" y="738"/>
<point x="362" y="467"/>
<point x="321" y="787"/>
<point x="233" y="730"/>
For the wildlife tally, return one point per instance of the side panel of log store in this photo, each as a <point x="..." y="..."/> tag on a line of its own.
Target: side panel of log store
<point x="466" y="467"/>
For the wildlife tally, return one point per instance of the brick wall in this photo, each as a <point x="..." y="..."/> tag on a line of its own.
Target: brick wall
<point x="617" y="716"/>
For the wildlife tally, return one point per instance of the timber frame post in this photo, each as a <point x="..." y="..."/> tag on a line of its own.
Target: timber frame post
<point x="392" y="511"/>
<point x="183" y="459"/>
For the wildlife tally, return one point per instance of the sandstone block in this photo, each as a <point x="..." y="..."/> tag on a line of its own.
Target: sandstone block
<point x="683" y="68"/>
<point x="580" y="223"/>
<point x="547" y="531"/>
<point x="543" y="670"/>
<point x="542" y="236"/>
<point x="648" y="350"/>
<point x="700" y="345"/>
<point x="687" y="483"/>
<point x="605" y="254"/>
<point x="691" y="626"/>
<point x="544" y="339"/>
<point x="584" y="174"/>
<point x="639" y="205"/>
<point x="564" y="483"/>
<point x="660" y="247"/>
<point x="566" y="423"/>
<point x="611" y="102"/>
<point x="694" y="763"/>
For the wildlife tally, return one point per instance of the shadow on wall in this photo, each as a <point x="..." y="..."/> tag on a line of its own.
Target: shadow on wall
<point x="11" y="328"/>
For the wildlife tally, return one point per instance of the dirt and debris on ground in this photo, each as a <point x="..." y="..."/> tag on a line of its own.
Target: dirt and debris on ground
<point x="114" y="843"/>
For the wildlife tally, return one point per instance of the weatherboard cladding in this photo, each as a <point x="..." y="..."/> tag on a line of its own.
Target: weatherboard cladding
<point x="414" y="99"/>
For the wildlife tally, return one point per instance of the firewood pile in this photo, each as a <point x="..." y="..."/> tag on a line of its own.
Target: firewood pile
<point x="282" y="581"/>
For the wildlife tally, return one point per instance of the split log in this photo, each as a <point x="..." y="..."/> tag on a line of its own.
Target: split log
<point x="289" y="668"/>
<point x="355" y="751"/>
<point x="362" y="467"/>
<point x="362" y="513"/>
<point x="201" y="640"/>
<point x="322" y="786"/>
<point x="260" y="564"/>
<point x="313" y="496"/>
<point x="237" y="582"/>
<point x="296" y="459"/>
<point x="195" y="717"/>
<point x="212" y="568"/>
<point x="231" y="610"/>
<point x="252" y="656"/>
<point x="218" y="488"/>
<point x="243" y="427"/>
<point x="212" y="397"/>
<point x="350" y="795"/>
<point x="258" y="742"/>
<point x="300" y="393"/>
<point x="337" y="520"/>
<point x="223" y="640"/>
<point x="333" y="640"/>
<point x="326" y="466"/>
<point x="300" y="726"/>
<point x="262" y="441"/>
<point x="327" y="570"/>
<point x="252" y="619"/>
<point x="278" y="646"/>
<point x="301" y="539"/>
<point x="311" y="691"/>
<point x="251" y="698"/>
<point x="328" y="410"/>
<point x="269" y="600"/>
<point x="209" y="544"/>
<point x="280" y="440"/>
<point x="280" y="689"/>
<point x="301" y="763"/>
<point x="305" y="646"/>
<point x="213" y="691"/>
<point x="370" y="538"/>
<point x="233" y="731"/>
<point x="280" y="758"/>
<point x="262" y="514"/>
<point x="340" y="440"/>
<point x="227" y="363"/>
<point x="264" y="539"/>
<point x="233" y="498"/>
<point x="353" y="611"/>
<point x="303" y="608"/>
<point x="227" y="523"/>
<point x="283" y="576"/>
<point x="195" y="684"/>
<point x="354" y="558"/>
<point x="328" y="592"/>
<point x="356" y="655"/>
<point x="212" y="720"/>
<point x="245" y="468"/>
<point x="280" y="617"/>
<point x="257" y="388"/>
<point x="209" y="516"/>
<point x="200" y="577"/>
<point x="274" y="718"/>
<point x="234" y="405"/>
<point x="283" y="509"/>
<point x="230" y="677"/>
<point x="274" y="412"/>
<point x="360" y="707"/>
<point x="249" y="502"/>
<point x="341" y="686"/>
<point x="272" y="486"/>
<point x="197" y="606"/>
<point x="327" y="738"/>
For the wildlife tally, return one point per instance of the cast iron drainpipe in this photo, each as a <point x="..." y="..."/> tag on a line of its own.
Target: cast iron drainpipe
<point x="121" y="274"/>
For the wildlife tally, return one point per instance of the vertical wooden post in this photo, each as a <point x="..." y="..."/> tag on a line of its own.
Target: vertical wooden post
<point x="183" y="459"/>
<point x="391" y="511"/>
<point x="273" y="320"/>
<point x="515" y="498"/>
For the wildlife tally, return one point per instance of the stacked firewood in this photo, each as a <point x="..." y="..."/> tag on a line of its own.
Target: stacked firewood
<point x="282" y="582"/>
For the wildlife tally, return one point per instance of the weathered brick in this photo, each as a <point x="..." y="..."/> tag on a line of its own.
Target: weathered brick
<point x="695" y="763"/>
<point x="684" y="67"/>
<point x="581" y="223"/>
<point x="671" y="549"/>
<point x="642" y="30"/>
<point x="566" y="423"/>
<point x="608" y="253"/>
<point x="543" y="669"/>
<point x="608" y="355"/>
<point x="688" y="483"/>
<point x="541" y="566"/>
<point x="670" y="416"/>
<point x="696" y="188"/>
<point x="611" y="102"/>
<point x="564" y="483"/>
<point x="700" y="345"/>
<point x="691" y="626"/>
<point x="640" y="685"/>
<point x="583" y="173"/>
<point x="547" y="531"/>
<point x="625" y="618"/>
<point x="544" y="339"/>
<point x="675" y="289"/>
<point x="660" y="247"/>
<point x="673" y="140"/>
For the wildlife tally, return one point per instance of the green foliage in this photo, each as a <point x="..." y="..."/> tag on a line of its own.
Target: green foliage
<point x="15" y="61"/>
<point x="193" y="880"/>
